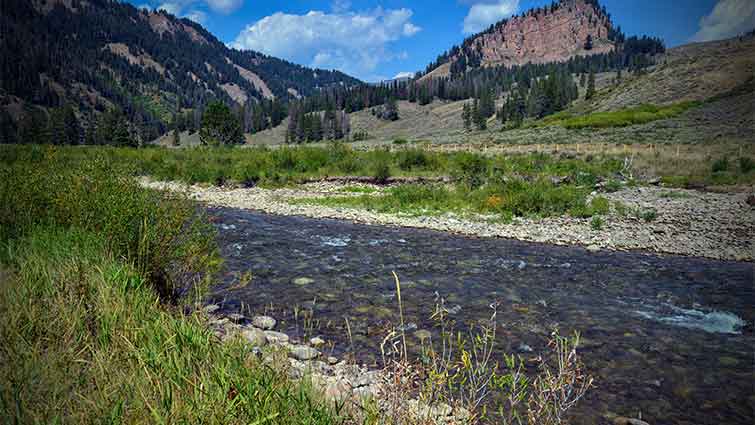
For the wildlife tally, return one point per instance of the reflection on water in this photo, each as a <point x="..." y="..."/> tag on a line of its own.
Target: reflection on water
<point x="670" y="337"/>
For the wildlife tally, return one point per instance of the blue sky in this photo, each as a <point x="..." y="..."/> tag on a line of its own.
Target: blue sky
<point x="376" y="40"/>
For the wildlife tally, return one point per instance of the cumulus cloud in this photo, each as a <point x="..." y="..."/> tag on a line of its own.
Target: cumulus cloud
<point x="728" y="19"/>
<point x="197" y="16"/>
<point x="192" y="9"/>
<point x="404" y="74"/>
<point x="348" y="41"/>
<point x="482" y="15"/>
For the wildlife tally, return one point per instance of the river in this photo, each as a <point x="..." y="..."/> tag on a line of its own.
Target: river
<point x="667" y="337"/>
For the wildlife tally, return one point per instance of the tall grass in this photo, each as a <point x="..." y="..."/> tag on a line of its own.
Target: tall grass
<point x="88" y="260"/>
<point x="87" y="341"/>
<point x="289" y="165"/>
<point x="621" y="118"/>
<point x="166" y="240"/>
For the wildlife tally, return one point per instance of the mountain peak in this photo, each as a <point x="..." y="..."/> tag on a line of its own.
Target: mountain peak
<point x="555" y="33"/>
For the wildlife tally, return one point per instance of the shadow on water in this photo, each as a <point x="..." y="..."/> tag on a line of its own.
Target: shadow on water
<point x="666" y="336"/>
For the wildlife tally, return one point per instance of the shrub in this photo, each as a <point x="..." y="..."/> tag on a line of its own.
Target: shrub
<point x="470" y="169"/>
<point x="166" y="240"/>
<point x="649" y="215"/>
<point x="613" y="186"/>
<point x="381" y="171"/>
<point x="400" y="141"/>
<point x="596" y="223"/>
<point x="720" y="165"/>
<point x="412" y="158"/>
<point x="599" y="205"/>
<point x="746" y="164"/>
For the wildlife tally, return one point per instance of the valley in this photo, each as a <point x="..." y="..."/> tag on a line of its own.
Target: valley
<point x="550" y="223"/>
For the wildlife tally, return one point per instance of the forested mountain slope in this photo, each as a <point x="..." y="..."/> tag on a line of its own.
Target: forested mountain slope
<point x="96" y="55"/>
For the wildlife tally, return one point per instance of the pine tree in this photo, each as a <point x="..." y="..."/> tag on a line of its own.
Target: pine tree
<point x="582" y="81"/>
<point x="176" y="137"/>
<point x="220" y="126"/>
<point x="590" y="86"/>
<point x="466" y="116"/>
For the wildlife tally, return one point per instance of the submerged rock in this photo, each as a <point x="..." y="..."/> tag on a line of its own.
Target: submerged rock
<point x="316" y="341"/>
<point x="304" y="353"/>
<point x="303" y="281"/>
<point x="264" y="322"/>
<point x="276" y="337"/>
<point x="254" y="336"/>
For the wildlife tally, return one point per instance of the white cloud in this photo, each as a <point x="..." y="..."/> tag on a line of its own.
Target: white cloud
<point x="172" y="8"/>
<point x="482" y="15"/>
<point x="191" y="8"/>
<point x="224" y="6"/>
<point x="404" y="74"/>
<point x="728" y="19"/>
<point x="197" y="16"/>
<point x="349" y="41"/>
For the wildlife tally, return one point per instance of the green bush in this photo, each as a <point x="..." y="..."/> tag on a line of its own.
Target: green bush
<point x="470" y="169"/>
<point x="381" y="171"/>
<point x="720" y="165"/>
<point x="746" y="164"/>
<point x="596" y="223"/>
<point x="164" y="239"/>
<point x="412" y="159"/>
<point x="649" y="215"/>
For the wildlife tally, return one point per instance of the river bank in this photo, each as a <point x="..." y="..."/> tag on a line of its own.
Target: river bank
<point x="684" y="222"/>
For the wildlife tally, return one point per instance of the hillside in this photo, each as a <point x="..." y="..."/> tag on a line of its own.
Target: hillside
<point x="99" y="54"/>
<point x="557" y="33"/>
<point x="695" y="72"/>
<point x="691" y="72"/>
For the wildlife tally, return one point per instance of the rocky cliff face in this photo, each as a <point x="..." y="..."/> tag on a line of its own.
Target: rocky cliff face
<point x="547" y="35"/>
<point x="552" y="34"/>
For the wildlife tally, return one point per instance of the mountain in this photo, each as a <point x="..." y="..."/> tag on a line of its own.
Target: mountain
<point x="557" y="33"/>
<point x="97" y="55"/>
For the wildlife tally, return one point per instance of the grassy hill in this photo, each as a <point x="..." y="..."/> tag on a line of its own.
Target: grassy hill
<point x="717" y="75"/>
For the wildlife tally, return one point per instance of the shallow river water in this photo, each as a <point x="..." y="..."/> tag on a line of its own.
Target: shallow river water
<point x="667" y="337"/>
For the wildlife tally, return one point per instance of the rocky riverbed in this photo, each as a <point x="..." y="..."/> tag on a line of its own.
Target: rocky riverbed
<point x="685" y="222"/>
<point x="337" y="380"/>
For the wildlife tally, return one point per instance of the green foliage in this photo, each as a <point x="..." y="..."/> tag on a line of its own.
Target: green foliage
<point x="596" y="223"/>
<point x="86" y="341"/>
<point x="381" y="171"/>
<point x="720" y="165"/>
<point x="622" y="118"/>
<point x="164" y="240"/>
<point x="220" y="126"/>
<point x="649" y="215"/>
<point x="746" y="164"/>
<point x="470" y="169"/>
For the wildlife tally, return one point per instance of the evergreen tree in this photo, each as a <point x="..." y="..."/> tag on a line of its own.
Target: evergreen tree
<point x="590" y="86"/>
<point x="220" y="126"/>
<point x="466" y="116"/>
<point x="176" y="137"/>
<point x="582" y="81"/>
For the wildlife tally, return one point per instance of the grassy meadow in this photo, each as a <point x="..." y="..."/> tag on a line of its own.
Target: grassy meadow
<point x="95" y="272"/>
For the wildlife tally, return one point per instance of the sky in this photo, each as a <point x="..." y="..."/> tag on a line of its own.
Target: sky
<point x="376" y="40"/>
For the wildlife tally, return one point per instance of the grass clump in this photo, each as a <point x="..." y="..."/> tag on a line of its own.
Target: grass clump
<point x="621" y="118"/>
<point x="86" y="340"/>
<point x="164" y="240"/>
<point x="88" y="260"/>
<point x="596" y="223"/>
